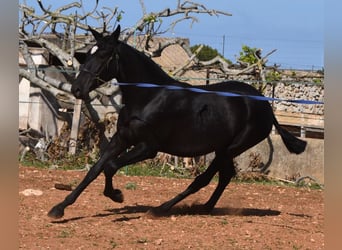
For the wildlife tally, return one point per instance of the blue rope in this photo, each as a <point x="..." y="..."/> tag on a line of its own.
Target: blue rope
<point x="219" y="93"/>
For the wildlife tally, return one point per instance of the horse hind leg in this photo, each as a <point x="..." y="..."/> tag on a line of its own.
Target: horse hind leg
<point x="226" y="172"/>
<point x="200" y="181"/>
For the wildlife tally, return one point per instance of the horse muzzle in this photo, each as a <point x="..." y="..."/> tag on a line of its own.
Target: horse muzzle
<point x="79" y="93"/>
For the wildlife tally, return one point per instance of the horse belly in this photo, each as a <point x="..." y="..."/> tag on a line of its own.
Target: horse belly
<point x="186" y="143"/>
<point x="204" y="130"/>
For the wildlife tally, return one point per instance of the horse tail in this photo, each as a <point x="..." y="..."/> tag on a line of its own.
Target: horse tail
<point x="292" y="143"/>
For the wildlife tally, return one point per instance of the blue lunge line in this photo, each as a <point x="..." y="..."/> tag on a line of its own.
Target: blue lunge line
<point x="219" y="93"/>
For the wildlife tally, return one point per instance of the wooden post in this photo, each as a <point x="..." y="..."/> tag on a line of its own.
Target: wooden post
<point x="207" y="81"/>
<point x="302" y="132"/>
<point x="302" y="127"/>
<point x="75" y="125"/>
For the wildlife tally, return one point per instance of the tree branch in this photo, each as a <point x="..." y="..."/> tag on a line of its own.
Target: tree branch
<point x="261" y="60"/>
<point x="193" y="56"/>
<point x="46" y="85"/>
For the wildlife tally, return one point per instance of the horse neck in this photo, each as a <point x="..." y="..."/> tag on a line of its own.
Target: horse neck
<point x="135" y="67"/>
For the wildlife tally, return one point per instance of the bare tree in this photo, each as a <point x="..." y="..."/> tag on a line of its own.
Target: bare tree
<point x="67" y="22"/>
<point x="63" y="31"/>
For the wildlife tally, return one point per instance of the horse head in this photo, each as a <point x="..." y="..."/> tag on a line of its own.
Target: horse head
<point x="100" y="66"/>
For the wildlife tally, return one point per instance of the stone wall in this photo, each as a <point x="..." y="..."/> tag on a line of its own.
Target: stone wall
<point x="292" y="84"/>
<point x="305" y="91"/>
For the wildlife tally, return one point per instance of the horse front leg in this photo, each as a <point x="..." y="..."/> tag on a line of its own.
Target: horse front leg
<point x="114" y="148"/>
<point x="109" y="191"/>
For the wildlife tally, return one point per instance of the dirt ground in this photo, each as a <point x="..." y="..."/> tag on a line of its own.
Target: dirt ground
<point x="248" y="216"/>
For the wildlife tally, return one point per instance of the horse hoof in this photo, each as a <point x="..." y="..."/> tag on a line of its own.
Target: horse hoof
<point x="115" y="195"/>
<point x="56" y="212"/>
<point x="118" y="196"/>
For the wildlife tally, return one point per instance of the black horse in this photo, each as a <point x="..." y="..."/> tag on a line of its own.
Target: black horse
<point x="178" y="122"/>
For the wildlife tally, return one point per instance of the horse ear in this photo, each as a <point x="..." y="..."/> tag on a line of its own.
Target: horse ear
<point x="115" y="35"/>
<point x="96" y="34"/>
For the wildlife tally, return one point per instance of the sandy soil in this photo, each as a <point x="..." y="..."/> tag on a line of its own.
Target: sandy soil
<point x="248" y="216"/>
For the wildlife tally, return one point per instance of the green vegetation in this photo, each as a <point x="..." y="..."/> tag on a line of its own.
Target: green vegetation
<point x="273" y="76"/>
<point x="262" y="179"/>
<point x="131" y="186"/>
<point x="153" y="168"/>
<point x="311" y="184"/>
<point x="224" y="221"/>
<point x="317" y="80"/>
<point x="31" y="160"/>
<point x="147" y="168"/>
<point x="248" y="55"/>
<point x="113" y="244"/>
<point x="207" y="53"/>
<point x="67" y="162"/>
<point x="65" y="233"/>
<point x="255" y="177"/>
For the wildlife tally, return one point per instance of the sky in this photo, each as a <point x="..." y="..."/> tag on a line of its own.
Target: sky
<point x="294" y="27"/>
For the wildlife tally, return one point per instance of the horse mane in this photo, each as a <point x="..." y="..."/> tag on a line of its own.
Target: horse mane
<point x="160" y="76"/>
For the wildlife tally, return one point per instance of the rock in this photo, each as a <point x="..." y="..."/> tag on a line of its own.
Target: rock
<point x="30" y="192"/>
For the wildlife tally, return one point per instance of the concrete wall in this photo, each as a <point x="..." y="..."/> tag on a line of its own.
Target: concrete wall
<point x="35" y="110"/>
<point x="283" y="164"/>
<point x="24" y="103"/>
